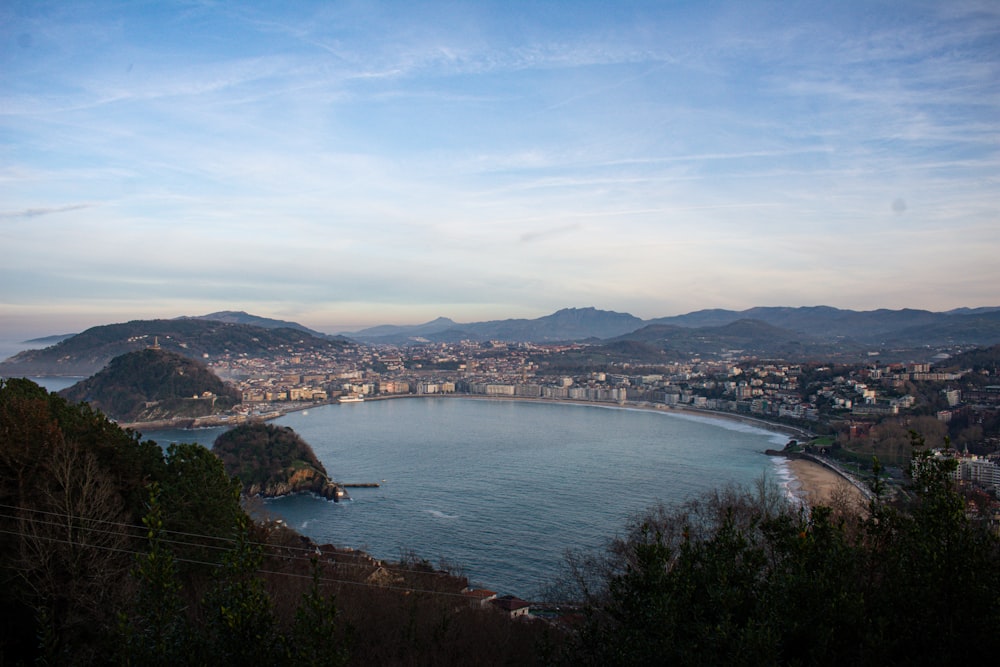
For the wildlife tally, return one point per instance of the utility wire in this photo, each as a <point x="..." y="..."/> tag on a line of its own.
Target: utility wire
<point x="347" y="582"/>
<point x="229" y="541"/>
<point x="307" y="553"/>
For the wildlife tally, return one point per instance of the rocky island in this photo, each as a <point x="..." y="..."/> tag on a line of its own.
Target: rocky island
<point x="272" y="461"/>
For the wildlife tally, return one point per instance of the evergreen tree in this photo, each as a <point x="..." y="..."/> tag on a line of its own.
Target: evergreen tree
<point x="727" y="580"/>
<point x="240" y="626"/>
<point x="155" y="629"/>
<point x="313" y="640"/>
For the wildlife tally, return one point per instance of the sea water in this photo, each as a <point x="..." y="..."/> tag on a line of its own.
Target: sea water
<point x="503" y="488"/>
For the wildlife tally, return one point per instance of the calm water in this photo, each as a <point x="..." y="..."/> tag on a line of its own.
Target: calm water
<point x="504" y="488"/>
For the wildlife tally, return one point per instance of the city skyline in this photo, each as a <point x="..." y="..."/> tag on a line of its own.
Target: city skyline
<point x="351" y="164"/>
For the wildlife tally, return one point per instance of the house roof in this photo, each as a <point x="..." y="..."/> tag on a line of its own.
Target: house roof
<point x="479" y="594"/>
<point x="510" y="603"/>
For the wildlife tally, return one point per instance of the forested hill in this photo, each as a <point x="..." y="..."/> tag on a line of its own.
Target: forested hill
<point x="272" y="461"/>
<point x="154" y="384"/>
<point x="89" y="351"/>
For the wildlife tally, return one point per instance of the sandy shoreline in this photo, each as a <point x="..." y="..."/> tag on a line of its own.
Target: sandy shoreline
<point x="819" y="485"/>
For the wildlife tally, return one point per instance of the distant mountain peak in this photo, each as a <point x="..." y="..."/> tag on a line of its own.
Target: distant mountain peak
<point x="224" y="313"/>
<point x="243" y="317"/>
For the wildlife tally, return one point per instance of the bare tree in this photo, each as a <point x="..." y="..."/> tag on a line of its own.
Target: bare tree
<point x="74" y="547"/>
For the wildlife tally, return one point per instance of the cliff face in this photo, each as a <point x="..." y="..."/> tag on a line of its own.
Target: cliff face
<point x="300" y="481"/>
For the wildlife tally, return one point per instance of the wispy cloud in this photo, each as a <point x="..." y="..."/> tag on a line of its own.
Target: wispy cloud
<point x="36" y="212"/>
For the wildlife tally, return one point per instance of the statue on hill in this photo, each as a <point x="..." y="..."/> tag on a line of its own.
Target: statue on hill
<point x="273" y="461"/>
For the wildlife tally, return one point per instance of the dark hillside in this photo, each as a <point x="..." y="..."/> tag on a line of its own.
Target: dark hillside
<point x="749" y="336"/>
<point x="242" y="317"/>
<point x="272" y="461"/>
<point x="981" y="359"/>
<point x="154" y="384"/>
<point x="89" y="351"/>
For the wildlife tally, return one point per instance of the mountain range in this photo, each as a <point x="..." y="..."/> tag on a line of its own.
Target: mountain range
<point x="815" y="332"/>
<point x="820" y="325"/>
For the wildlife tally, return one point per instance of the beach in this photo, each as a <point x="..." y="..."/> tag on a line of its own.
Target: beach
<point x="819" y="485"/>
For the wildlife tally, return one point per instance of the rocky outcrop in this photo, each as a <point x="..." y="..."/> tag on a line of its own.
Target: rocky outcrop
<point x="301" y="481"/>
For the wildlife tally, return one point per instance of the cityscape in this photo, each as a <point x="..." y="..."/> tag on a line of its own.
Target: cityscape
<point x="845" y="401"/>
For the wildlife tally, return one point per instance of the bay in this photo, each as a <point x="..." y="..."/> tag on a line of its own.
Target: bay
<point x="503" y="488"/>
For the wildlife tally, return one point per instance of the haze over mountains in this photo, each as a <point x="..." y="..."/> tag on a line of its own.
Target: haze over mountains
<point x="823" y="323"/>
<point x="777" y="332"/>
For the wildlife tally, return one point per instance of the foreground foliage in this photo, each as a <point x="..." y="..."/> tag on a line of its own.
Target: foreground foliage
<point x="114" y="551"/>
<point x="741" y="578"/>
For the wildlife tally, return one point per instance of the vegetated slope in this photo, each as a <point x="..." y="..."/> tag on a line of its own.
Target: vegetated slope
<point x="567" y="324"/>
<point x="59" y="459"/>
<point x="981" y="329"/>
<point x="152" y="384"/>
<point x="980" y="359"/>
<point x="160" y="564"/>
<point x="89" y="351"/>
<point x="879" y="327"/>
<point x="738" y="577"/>
<point x="746" y="335"/>
<point x="243" y="317"/>
<point x="272" y="461"/>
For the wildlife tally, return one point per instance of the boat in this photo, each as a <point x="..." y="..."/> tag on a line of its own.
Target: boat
<point x="350" y="398"/>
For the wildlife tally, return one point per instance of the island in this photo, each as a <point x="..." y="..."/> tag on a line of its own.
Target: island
<point x="272" y="461"/>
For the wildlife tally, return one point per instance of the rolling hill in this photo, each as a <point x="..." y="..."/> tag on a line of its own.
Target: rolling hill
<point x="88" y="352"/>
<point x="152" y="385"/>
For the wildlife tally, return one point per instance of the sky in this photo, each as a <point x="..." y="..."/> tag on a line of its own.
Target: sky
<point x="346" y="164"/>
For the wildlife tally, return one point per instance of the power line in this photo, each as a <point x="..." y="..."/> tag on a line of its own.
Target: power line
<point x="347" y="582"/>
<point x="229" y="541"/>
<point x="311" y="553"/>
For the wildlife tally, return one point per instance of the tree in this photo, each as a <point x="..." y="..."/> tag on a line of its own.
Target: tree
<point x="938" y="590"/>
<point x="201" y="507"/>
<point x="730" y="579"/>
<point x="70" y="527"/>
<point x="155" y="630"/>
<point x="313" y="639"/>
<point x="240" y="626"/>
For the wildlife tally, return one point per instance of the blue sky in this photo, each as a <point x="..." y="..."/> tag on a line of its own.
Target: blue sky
<point x="354" y="163"/>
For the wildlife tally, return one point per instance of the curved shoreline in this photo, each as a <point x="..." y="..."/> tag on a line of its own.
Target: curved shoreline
<point x="775" y="427"/>
<point x="803" y="480"/>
